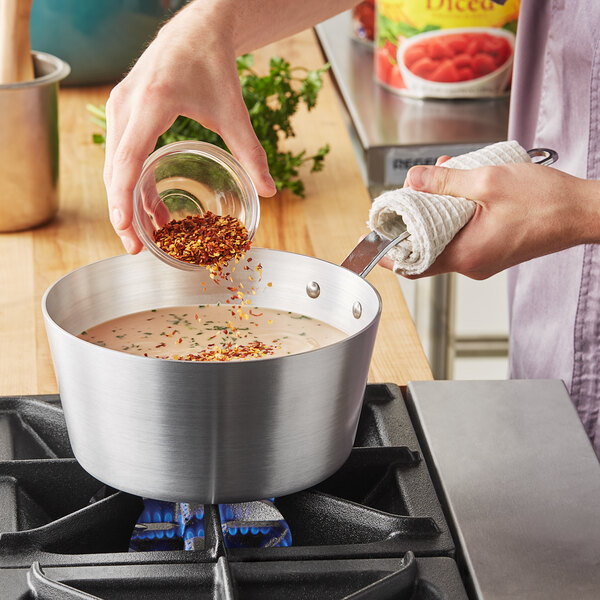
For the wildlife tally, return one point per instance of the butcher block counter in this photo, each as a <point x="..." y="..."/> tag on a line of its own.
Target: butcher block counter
<point x="326" y="224"/>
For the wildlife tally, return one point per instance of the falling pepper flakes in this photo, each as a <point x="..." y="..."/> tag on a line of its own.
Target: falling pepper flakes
<point x="213" y="241"/>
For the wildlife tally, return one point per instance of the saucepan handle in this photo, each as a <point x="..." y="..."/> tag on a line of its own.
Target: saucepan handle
<point x="546" y="156"/>
<point x="369" y="251"/>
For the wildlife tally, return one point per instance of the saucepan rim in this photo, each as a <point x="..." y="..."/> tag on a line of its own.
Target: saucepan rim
<point x="199" y="364"/>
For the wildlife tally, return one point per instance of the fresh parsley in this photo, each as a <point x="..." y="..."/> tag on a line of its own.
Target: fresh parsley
<point x="272" y="100"/>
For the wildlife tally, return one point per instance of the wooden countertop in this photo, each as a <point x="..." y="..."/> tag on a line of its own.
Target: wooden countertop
<point x="325" y="224"/>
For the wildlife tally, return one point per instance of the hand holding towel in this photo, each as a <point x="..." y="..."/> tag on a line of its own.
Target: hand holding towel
<point x="433" y="220"/>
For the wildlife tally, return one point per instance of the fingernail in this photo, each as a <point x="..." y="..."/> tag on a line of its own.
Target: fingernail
<point x="418" y="177"/>
<point x="115" y="217"/>
<point x="128" y="244"/>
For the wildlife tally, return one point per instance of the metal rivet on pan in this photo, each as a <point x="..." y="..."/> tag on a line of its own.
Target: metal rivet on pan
<point x="313" y="289"/>
<point x="357" y="310"/>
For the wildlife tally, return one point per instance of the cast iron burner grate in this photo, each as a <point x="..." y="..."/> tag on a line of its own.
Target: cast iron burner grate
<point x="375" y="529"/>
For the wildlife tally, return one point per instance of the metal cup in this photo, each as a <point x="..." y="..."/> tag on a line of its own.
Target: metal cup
<point x="29" y="148"/>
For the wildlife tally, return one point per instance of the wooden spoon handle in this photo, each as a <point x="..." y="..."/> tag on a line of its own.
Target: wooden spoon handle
<point x="16" y="63"/>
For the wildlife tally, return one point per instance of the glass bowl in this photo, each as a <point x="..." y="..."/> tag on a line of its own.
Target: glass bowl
<point x="190" y="178"/>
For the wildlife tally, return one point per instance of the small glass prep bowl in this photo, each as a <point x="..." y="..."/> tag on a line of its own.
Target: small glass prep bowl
<point x="190" y="178"/>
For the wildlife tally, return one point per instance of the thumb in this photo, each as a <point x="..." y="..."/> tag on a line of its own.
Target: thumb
<point x="439" y="180"/>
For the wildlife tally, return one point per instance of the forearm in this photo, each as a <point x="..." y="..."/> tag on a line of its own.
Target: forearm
<point x="251" y="24"/>
<point x="190" y="70"/>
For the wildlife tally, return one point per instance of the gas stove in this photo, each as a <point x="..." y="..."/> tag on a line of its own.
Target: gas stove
<point x="375" y="529"/>
<point x="453" y="490"/>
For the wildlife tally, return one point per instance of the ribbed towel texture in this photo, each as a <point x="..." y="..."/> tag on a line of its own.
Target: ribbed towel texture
<point x="433" y="220"/>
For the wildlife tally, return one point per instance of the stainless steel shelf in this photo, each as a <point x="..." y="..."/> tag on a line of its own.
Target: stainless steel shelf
<point x="392" y="133"/>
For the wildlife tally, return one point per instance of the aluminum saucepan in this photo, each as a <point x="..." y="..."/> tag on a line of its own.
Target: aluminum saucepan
<point x="213" y="432"/>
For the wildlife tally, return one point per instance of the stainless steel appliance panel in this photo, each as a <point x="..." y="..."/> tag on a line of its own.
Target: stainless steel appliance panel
<point x="520" y="482"/>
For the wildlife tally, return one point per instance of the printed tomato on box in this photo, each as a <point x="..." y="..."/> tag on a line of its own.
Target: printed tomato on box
<point x="445" y="48"/>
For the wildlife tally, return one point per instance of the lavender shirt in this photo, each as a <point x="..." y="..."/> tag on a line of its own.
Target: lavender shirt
<point x="554" y="300"/>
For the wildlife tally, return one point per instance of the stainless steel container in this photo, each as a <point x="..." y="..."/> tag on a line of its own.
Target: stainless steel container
<point x="29" y="149"/>
<point x="211" y="432"/>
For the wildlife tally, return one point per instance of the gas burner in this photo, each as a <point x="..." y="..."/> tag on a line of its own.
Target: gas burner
<point x="180" y="526"/>
<point x="375" y="529"/>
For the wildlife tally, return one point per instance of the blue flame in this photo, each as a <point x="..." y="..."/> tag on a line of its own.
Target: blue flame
<point x="244" y="526"/>
<point x="176" y="526"/>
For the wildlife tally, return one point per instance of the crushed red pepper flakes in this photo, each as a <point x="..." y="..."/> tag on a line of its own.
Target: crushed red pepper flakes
<point x="240" y="352"/>
<point x="209" y="240"/>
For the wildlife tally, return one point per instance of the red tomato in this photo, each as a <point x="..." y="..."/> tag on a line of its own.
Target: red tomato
<point x="483" y="64"/>
<point x="383" y="66"/>
<point x="362" y="11"/>
<point x="503" y="53"/>
<point x="480" y="37"/>
<point x="498" y="48"/>
<point x="363" y="17"/>
<point x="413" y="53"/>
<point x="446" y="72"/>
<point x="424" y="67"/>
<point x="457" y="42"/>
<point x="391" y="49"/>
<point x="438" y="49"/>
<point x="491" y="45"/>
<point x="462" y="60"/>
<point x="457" y="57"/>
<point x="465" y="73"/>
<point x="396" y="79"/>
<point x="472" y="47"/>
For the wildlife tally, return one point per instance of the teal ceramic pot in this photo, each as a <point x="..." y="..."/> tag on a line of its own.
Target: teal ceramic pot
<point x="99" y="39"/>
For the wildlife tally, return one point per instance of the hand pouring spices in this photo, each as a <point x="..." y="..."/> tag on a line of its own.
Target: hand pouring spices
<point x="195" y="207"/>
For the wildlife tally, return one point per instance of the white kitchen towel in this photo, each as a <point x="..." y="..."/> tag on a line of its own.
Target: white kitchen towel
<point x="433" y="220"/>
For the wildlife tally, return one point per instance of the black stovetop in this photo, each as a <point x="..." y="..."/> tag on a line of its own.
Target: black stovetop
<point x="375" y="529"/>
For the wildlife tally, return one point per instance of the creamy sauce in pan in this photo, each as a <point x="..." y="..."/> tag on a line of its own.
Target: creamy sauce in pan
<point x="179" y="331"/>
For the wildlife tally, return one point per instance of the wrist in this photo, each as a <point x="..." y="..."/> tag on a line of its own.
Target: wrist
<point x="229" y="23"/>
<point x="202" y="23"/>
<point x="588" y="222"/>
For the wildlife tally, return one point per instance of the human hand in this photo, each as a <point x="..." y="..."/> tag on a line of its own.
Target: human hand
<point x="522" y="211"/>
<point x="189" y="69"/>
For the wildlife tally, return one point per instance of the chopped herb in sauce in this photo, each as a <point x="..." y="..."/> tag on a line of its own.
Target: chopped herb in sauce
<point x="229" y="336"/>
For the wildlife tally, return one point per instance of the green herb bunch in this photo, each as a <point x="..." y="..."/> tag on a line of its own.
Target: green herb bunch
<point x="271" y="100"/>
